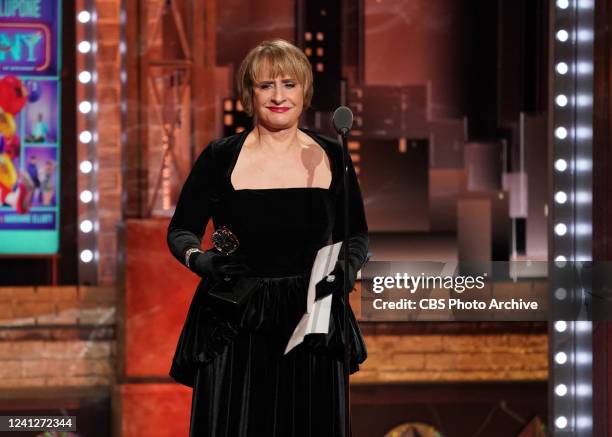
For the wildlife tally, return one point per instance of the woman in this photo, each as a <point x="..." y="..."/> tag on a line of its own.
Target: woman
<point x="280" y="191"/>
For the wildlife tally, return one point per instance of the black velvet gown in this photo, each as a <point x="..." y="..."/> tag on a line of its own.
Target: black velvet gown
<point x="243" y="383"/>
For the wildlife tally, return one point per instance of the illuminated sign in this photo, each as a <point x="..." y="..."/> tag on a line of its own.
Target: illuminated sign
<point x="24" y="47"/>
<point x="20" y="9"/>
<point x="30" y="126"/>
<point x="29" y="37"/>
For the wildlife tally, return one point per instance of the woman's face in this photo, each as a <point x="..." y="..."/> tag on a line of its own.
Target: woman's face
<point x="278" y="102"/>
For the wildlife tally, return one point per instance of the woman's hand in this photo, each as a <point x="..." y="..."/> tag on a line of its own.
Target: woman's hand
<point x="214" y="265"/>
<point x="332" y="283"/>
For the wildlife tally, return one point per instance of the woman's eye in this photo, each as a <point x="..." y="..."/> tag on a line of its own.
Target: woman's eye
<point x="266" y="86"/>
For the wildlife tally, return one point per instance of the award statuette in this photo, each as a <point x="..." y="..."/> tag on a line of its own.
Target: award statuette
<point x="225" y="242"/>
<point x="230" y="291"/>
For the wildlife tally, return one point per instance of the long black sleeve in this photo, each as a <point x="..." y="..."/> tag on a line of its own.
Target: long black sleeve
<point x="194" y="207"/>
<point x="358" y="227"/>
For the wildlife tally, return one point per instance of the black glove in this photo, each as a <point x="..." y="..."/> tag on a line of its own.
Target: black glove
<point x="327" y="285"/>
<point x="214" y="265"/>
<point x="358" y="256"/>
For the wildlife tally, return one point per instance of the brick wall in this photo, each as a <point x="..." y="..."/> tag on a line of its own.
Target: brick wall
<point x="64" y="336"/>
<point x="56" y="336"/>
<point x="444" y="358"/>
<point x="453" y="357"/>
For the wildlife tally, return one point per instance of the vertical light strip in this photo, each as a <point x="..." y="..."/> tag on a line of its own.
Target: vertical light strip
<point x="87" y="135"/>
<point x="583" y="364"/>
<point x="571" y="242"/>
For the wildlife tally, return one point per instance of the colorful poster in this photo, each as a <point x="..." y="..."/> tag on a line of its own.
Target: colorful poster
<point x="30" y="90"/>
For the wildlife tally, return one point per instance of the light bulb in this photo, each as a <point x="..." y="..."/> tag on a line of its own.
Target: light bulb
<point x="560" y="197"/>
<point x="85" y="107"/>
<point x="563" y="4"/>
<point x="560" y="229"/>
<point x="85" y="137"/>
<point x="560" y="293"/>
<point x="561" y="100"/>
<point x="561" y="358"/>
<point x="561" y="164"/>
<point x="86" y="167"/>
<point x="562" y="35"/>
<point x="561" y="133"/>
<point x="84" y="47"/>
<point x="86" y="196"/>
<point x="84" y="77"/>
<point x="84" y="17"/>
<point x="562" y="68"/>
<point x="561" y="422"/>
<point x="86" y="255"/>
<point x="561" y="390"/>
<point x="86" y="226"/>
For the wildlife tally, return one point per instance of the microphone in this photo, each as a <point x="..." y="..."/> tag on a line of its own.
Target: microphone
<point x="342" y="120"/>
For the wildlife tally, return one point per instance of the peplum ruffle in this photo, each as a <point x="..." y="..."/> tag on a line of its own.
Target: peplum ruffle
<point x="272" y="310"/>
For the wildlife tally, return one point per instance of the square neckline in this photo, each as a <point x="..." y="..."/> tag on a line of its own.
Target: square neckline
<point x="245" y="134"/>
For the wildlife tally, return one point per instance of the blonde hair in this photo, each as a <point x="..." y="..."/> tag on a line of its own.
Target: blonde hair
<point x="283" y="58"/>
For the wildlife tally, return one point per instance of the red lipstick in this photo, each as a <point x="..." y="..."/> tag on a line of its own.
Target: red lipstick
<point x="278" y="108"/>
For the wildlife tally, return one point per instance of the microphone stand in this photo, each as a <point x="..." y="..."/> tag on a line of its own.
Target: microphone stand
<point x="345" y="336"/>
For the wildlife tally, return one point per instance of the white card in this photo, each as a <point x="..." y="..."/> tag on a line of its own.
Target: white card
<point x="316" y="318"/>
